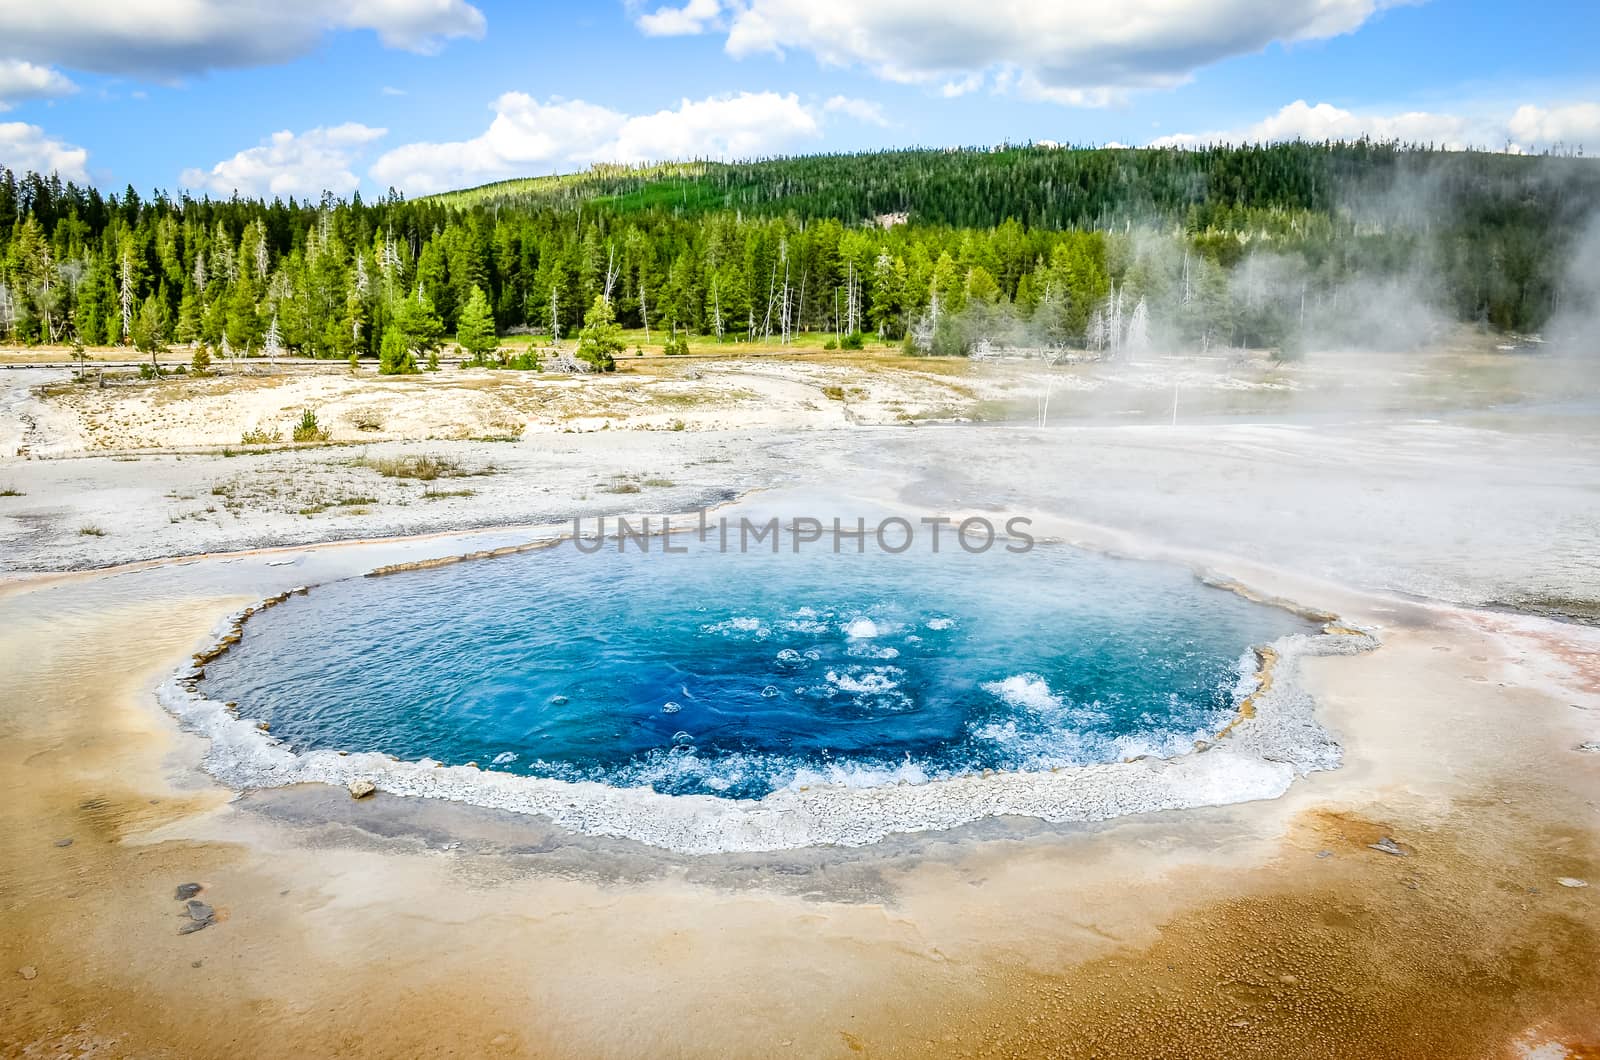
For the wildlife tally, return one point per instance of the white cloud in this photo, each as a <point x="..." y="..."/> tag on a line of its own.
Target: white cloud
<point x="1572" y="124"/>
<point x="1301" y="121"/>
<point x="167" y="39"/>
<point x="23" y="80"/>
<point x="695" y="16"/>
<point x="1530" y="128"/>
<point x="962" y="86"/>
<point x="24" y="147"/>
<point x="524" y="134"/>
<point x="862" y="110"/>
<point x="303" y="165"/>
<point x="1079" y="52"/>
<point x="741" y="126"/>
<point x="527" y="136"/>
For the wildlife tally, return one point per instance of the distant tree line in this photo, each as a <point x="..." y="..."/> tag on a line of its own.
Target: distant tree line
<point x="1227" y="245"/>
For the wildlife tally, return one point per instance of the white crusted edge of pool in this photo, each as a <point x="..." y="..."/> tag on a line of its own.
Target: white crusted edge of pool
<point x="1258" y="759"/>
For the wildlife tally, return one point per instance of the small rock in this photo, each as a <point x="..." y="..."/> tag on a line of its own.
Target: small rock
<point x="199" y="910"/>
<point x="1387" y="846"/>
<point x="186" y="891"/>
<point x="67" y="842"/>
<point x="1568" y="881"/>
<point x="1324" y="854"/>
<point x="361" y="787"/>
<point x="191" y="926"/>
<point x="1590" y="746"/>
<point x="28" y="971"/>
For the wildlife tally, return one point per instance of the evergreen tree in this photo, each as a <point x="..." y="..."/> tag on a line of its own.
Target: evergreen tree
<point x="475" y="330"/>
<point x="601" y="338"/>
<point x="414" y="329"/>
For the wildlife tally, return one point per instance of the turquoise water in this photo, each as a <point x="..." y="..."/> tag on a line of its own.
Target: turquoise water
<point x="735" y="675"/>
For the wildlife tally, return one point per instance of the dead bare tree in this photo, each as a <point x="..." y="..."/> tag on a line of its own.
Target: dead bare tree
<point x="611" y="271"/>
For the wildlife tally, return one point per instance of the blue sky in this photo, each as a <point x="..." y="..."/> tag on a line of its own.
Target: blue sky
<point x="294" y="96"/>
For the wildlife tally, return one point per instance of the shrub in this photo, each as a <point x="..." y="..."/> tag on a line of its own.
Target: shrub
<point x="527" y="361"/>
<point x="201" y="363"/>
<point x="424" y="468"/>
<point x="91" y="530"/>
<point x="853" y="341"/>
<point x="309" y="430"/>
<point x="834" y="393"/>
<point x="677" y="346"/>
<point x="260" y="435"/>
<point x="831" y="344"/>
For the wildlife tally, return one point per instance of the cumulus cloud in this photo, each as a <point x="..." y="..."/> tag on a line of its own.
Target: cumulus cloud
<point x="862" y="110"/>
<point x="527" y="135"/>
<point x="695" y="16"/>
<point x="24" y="147"/>
<point x="1080" y="52"/>
<point x="304" y="164"/>
<point x="21" y="80"/>
<point x="167" y="39"/>
<point x="1572" y="124"/>
<point x="1530" y="128"/>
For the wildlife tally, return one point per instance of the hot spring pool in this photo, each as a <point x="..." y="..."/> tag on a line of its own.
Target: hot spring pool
<point x="736" y="675"/>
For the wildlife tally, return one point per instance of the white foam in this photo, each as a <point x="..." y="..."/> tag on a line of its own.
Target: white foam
<point x="873" y="681"/>
<point x="1025" y="692"/>
<point x="859" y="775"/>
<point x="504" y="758"/>
<point x="807" y="620"/>
<point x="739" y="626"/>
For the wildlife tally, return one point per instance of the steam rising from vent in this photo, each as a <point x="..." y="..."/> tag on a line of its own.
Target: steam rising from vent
<point x="1405" y="255"/>
<point x="1575" y="327"/>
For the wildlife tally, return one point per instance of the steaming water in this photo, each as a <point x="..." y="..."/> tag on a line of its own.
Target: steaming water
<point x="735" y="675"/>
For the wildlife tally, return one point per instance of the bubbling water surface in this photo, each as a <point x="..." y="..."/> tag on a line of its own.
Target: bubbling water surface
<point x="738" y="674"/>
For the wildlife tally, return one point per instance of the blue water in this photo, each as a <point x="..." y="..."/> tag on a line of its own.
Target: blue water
<point x="735" y="675"/>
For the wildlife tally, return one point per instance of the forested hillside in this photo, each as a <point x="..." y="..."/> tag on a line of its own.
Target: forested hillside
<point x="1223" y="246"/>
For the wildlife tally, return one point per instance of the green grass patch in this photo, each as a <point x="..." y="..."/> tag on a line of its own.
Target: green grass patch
<point x="423" y="468"/>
